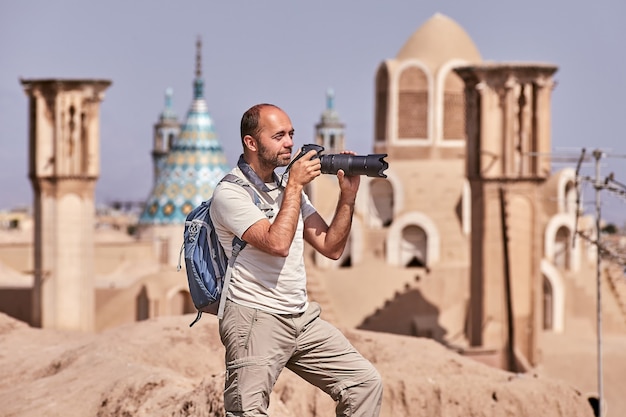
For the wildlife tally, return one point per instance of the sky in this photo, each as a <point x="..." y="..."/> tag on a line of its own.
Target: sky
<point x="289" y="53"/>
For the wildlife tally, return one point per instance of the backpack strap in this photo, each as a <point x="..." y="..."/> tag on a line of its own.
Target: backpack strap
<point x="267" y="209"/>
<point x="237" y="247"/>
<point x="239" y="244"/>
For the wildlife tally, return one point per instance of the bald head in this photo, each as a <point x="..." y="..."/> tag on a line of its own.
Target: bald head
<point x="250" y="121"/>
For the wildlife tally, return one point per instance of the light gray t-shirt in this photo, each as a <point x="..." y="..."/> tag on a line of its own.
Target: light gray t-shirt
<point x="260" y="280"/>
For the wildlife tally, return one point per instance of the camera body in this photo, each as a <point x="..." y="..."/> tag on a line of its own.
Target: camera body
<point x="372" y="165"/>
<point x="312" y="147"/>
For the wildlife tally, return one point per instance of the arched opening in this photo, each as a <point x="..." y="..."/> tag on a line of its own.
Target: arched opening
<point x="413" y="104"/>
<point x="553" y="298"/>
<point x="570" y="197"/>
<point x="181" y="303"/>
<point x="412" y="235"/>
<point x="413" y="247"/>
<point x="381" y="193"/>
<point x="558" y="242"/>
<point x="142" y="305"/>
<point x="382" y="99"/>
<point x="548" y="304"/>
<point x="453" y="107"/>
<point x="84" y="144"/>
<point x="562" y="248"/>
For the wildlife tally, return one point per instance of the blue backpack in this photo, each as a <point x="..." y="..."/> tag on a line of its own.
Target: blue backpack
<point x="208" y="267"/>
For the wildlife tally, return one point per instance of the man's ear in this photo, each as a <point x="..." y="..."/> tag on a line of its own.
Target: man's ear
<point x="250" y="143"/>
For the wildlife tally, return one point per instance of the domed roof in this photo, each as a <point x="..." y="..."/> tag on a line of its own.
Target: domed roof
<point x="193" y="167"/>
<point x="439" y="40"/>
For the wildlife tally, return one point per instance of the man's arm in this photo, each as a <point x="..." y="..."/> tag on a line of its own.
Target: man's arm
<point x="331" y="240"/>
<point x="275" y="238"/>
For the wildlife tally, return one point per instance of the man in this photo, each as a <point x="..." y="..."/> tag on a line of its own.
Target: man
<point x="268" y="322"/>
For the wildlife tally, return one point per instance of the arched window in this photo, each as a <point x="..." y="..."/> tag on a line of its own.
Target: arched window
<point x="382" y="103"/>
<point x="84" y="144"/>
<point x="553" y="297"/>
<point x="381" y="193"/>
<point x="413" y="104"/>
<point x="453" y="107"/>
<point x="548" y="304"/>
<point x="562" y="248"/>
<point x="413" y="247"/>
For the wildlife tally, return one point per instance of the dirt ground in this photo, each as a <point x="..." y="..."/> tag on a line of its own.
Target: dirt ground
<point x="161" y="367"/>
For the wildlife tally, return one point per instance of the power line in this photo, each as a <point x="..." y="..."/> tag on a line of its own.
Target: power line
<point x="603" y="251"/>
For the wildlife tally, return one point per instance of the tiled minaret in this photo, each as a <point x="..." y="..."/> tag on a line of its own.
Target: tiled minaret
<point x="166" y="130"/>
<point x="191" y="170"/>
<point x="330" y="132"/>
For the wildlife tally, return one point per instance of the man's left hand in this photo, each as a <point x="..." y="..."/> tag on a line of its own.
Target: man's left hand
<point x="349" y="184"/>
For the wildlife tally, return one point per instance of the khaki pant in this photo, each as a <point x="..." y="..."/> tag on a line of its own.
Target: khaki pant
<point x="259" y="345"/>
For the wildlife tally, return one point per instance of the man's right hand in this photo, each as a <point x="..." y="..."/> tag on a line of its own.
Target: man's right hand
<point x="305" y="169"/>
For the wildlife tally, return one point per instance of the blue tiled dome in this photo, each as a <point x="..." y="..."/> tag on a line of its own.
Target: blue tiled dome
<point x="192" y="168"/>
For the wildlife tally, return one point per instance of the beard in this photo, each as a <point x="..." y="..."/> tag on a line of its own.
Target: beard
<point x="274" y="160"/>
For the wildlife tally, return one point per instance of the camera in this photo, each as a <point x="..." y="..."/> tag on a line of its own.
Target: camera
<point x="372" y="165"/>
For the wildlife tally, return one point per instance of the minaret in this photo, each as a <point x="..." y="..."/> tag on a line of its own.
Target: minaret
<point x="64" y="164"/>
<point x="508" y="142"/>
<point x="166" y="130"/>
<point x="330" y="132"/>
<point x="190" y="171"/>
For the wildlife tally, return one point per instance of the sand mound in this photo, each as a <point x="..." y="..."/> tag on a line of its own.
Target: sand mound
<point x="161" y="367"/>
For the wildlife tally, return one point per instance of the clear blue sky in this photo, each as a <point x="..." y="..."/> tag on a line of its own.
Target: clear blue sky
<point x="290" y="52"/>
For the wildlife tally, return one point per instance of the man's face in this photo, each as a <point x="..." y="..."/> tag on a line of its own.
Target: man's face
<point x="275" y="142"/>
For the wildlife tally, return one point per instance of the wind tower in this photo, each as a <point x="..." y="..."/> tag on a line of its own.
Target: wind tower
<point x="166" y="130"/>
<point x="191" y="170"/>
<point x="64" y="164"/>
<point x="330" y="131"/>
<point x="508" y="140"/>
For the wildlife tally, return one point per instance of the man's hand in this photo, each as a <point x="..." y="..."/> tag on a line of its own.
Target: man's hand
<point x="305" y="169"/>
<point x="349" y="185"/>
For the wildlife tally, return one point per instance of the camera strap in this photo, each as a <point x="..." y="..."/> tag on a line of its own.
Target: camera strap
<point x="255" y="180"/>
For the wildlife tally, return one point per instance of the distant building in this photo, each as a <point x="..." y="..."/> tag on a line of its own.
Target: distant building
<point x="188" y="169"/>
<point x="470" y="240"/>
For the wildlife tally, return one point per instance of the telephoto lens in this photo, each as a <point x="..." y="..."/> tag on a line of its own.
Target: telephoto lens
<point x="372" y="165"/>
